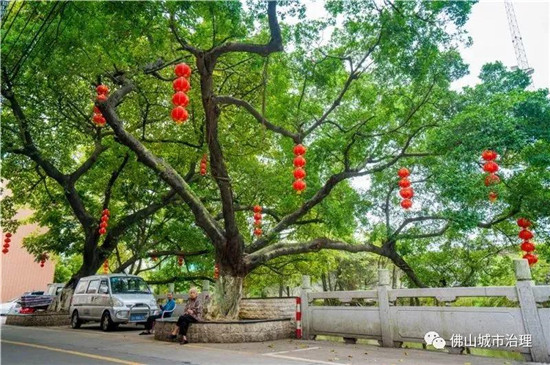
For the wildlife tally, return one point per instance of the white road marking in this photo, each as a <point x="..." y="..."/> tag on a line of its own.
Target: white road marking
<point x="311" y="361"/>
<point x="285" y="352"/>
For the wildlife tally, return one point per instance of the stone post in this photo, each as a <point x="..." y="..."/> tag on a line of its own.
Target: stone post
<point x="384" y="307"/>
<point x="540" y="351"/>
<point x="306" y="287"/>
<point x="205" y="286"/>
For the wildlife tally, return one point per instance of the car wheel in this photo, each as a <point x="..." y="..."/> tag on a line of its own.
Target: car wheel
<point x="75" y="320"/>
<point x="106" y="323"/>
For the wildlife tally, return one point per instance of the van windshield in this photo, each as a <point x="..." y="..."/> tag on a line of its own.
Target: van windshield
<point x="121" y="285"/>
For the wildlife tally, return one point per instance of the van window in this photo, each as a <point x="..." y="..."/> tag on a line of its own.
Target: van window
<point x="121" y="284"/>
<point x="81" y="287"/>
<point x="92" y="288"/>
<point x="104" y="287"/>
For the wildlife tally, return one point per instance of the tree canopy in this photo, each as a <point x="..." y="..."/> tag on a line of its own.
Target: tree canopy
<point x="367" y="90"/>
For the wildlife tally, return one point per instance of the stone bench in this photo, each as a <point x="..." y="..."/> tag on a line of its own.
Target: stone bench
<point x="256" y="330"/>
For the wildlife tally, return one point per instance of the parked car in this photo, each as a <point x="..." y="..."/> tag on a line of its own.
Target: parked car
<point x="112" y="300"/>
<point x="12" y="306"/>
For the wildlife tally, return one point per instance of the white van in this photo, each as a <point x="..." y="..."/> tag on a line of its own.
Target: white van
<point x="112" y="300"/>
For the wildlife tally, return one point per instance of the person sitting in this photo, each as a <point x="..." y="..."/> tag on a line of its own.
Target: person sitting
<point x="192" y="314"/>
<point x="165" y="312"/>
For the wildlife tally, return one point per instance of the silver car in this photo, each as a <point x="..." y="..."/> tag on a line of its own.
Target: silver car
<point x="112" y="300"/>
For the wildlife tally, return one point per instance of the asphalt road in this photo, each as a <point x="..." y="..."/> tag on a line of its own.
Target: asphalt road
<point x="89" y="345"/>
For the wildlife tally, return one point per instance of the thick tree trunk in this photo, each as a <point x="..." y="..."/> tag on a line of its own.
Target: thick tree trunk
<point x="63" y="301"/>
<point x="226" y="298"/>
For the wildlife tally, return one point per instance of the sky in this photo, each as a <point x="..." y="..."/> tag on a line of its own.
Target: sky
<point x="488" y="27"/>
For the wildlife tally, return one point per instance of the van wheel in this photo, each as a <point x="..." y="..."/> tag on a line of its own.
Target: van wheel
<point x="75" y="320"/>
<point x="106" y="323"/>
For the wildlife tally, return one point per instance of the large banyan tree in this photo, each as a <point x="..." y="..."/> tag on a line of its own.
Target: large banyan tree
<point x="362" y="88"/>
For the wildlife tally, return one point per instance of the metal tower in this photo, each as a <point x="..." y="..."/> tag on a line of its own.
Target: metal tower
<point x="521" y="56"/>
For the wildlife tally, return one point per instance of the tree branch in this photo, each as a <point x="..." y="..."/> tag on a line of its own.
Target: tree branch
<point x="260" y="118"/>
<point x="163" y="169"/>
<point x="275" y="43"/>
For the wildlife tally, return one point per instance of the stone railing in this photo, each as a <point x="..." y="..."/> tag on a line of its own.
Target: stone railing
<point x="460" y="327"/>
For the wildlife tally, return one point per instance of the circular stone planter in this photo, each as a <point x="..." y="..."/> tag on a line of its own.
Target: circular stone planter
<point x="256" y="330"/>
<point x="40" y="319"/>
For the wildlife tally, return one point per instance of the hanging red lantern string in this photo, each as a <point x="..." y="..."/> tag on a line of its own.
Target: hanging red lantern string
<point x="180" y="260"/>
<point x="204" y="162"/>
<point x="104" y="219"/>
<point x="102" y="91"/>
<point x="406" y="191"/>
<point x="257" y="220"/>
<point x="106" y="266"/>
<point x="528" y="247"/>
<point x="7" y="241"/>
<point x="491" y="167"/>
<point x="216" y="271"/>
<point x="180" y="99"/>
<point x="299" y="173"/>
<point x="43" y="258"/>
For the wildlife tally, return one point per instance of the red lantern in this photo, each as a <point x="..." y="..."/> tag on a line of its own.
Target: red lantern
<point x="299" y="150"/>
<point x="102" y="230"/>
<point x="491" y="179"/>
<point x="7" y="240"/>
<point x="299" y="173"/>
<point x="106" y="212"/>
<point x="104" y="218"/>
<point x="493" y="197"/>
<point x="180" y="260"/>
<point x="6" y="245"/>
<point x="490" y="167"/>
<point x="154" y="258"/>
<point x="404" y="183"/>
<point x="532" y="259"/>
<point x="299" y="161"/>
<point x="5" y="250"/>
<point x="103" y="224"/>
<point x="257" y="209"/>
<point x="403" y="172"/>
<point x="524" y="223"/>
<point x="257" y="216"/>
<point x="99" y="119"/>
<point x="406" y="203"/>
<point x="102" y="89"/>
<point x="96" y="110"/>
<point x="258" y="231"/>
<point x="101" y="97"/>
<point x="8" y="234"/>
<point x="299" y="186"/>
<point x="180" y="98"/>
<point x="179" y="114"/>
<point x="406" y="193"/>
<point x="182" y="70"/>
<point x="525" y="234"/>
<point x="181" y="84"/>
<point x="41" y="263"/>
<point x="489" y="155"/>
<point x="258" y="223"/>
<point x="216" y="271"/>
<point x="527" y="246"/>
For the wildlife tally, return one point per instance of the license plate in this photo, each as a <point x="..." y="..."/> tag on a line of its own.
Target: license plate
<point x="137" y="317"/>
